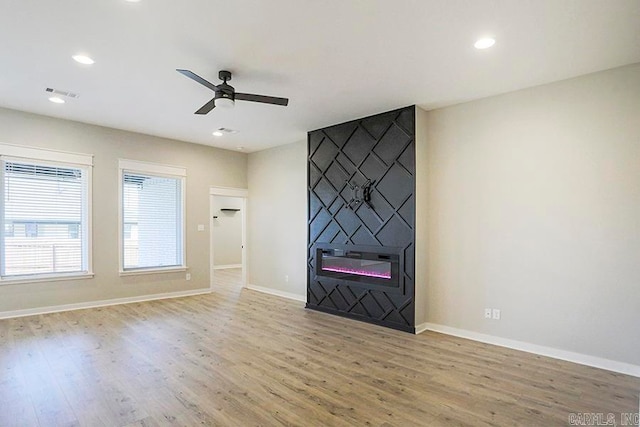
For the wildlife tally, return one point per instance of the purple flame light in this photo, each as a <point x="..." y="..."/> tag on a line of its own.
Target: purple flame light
<point x="358" y="272"/>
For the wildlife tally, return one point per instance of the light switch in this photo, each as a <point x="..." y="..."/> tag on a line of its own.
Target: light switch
<point x="200" y="227"/>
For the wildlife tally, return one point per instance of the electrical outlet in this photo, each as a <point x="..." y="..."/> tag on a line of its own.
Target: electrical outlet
<point x="200" y="227"/>
<point x="496" y="314"/>
<point x="188" y="276"/>
<point x="487" y="313"/>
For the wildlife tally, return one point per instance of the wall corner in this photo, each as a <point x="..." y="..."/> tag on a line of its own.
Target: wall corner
<point x="421" y="225"/>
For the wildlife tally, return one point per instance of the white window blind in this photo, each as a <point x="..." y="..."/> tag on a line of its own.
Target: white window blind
<point x="152" y="221"/>
<point x="44" y="218"/>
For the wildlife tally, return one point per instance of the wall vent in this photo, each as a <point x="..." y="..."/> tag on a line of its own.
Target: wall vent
<point x="62" y="93"/>
<point x="227" y="130"/>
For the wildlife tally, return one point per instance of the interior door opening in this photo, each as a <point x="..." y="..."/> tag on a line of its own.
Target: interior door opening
<point x="228" y="237"/>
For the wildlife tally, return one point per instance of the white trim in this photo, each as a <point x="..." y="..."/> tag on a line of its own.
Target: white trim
<point x="228" y="191"/>
<point x="421" y="328"/>
<point x="155" y="270"/>
<point x="34" y="153"/>
<point x="37" y="278"/>
<point x="583" y="359"/>
<point x="120" y="217"/>
<point x="245" y="268"/>
<point x="101" y="303"/>
<point x="88" y="221"/>
<point x="154" y="168"/>
<point x="211" y="269"/>
<point x="224" y="267"/>
<point x="283" y="294"/>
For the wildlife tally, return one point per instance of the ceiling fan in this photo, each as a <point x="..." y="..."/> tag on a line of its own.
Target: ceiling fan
<point x="226" y="95"/>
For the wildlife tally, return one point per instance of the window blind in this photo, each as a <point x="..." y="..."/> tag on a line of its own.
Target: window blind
<point x="44" y="219"/>
<point x="152" y="221"/>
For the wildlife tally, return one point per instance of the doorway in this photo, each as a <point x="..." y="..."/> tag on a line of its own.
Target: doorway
<point x="227" y="225"/>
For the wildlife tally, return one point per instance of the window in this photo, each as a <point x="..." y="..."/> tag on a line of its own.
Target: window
<point x="45" y="194"/>
<point x="151" y="217"/>
<point x="74" y="231"/>
<point x="9" y="230"/>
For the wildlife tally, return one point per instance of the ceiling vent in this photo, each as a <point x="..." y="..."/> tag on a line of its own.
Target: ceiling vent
<point x="62" y="93"/>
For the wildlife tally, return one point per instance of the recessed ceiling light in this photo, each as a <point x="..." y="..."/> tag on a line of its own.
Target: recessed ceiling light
<point x="56" y="100"/>
<point x="240" y="148"/>
<point x="132" y="1"/>
<point x="484" y="43"/>
<point x="83" y="59"/>
<point x="217" y="133"/>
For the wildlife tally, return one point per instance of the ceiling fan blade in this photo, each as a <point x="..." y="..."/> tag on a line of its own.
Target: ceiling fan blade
<point x="207" y="107"/>
<point x="261" y="98"/>
<point x="197" y="78"/>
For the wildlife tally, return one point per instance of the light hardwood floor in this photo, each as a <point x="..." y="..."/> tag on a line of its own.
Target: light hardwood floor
<point x="242" y="358"/>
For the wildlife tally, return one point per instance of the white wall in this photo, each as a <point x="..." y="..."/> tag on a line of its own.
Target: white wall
<point x="206" y="167"/>
<point x="277" y="218"/>
<point x="227" y="231"/>
<point x="422" y="216"/>
<point x="532" y="204"/>
<point x="534" y="208"/>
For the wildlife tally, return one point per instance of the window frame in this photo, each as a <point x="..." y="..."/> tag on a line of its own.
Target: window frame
<point x="161" y="171"/>
<point x="18" y="153"/>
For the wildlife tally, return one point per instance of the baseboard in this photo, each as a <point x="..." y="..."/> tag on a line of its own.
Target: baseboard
<point x="569" y="356"/>
<point x="223" y="267"/>
<point x="101" y="303"/>
<point x="421" y="328"/>
<point x="289" y="295"/>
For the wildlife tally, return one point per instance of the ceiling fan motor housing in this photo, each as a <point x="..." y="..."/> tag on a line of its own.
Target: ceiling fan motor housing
<point x="225" y="91"/>
<point x="224" y="75"/>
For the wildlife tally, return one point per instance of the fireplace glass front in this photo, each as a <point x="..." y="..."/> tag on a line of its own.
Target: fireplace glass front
<point x="358" y="266"/>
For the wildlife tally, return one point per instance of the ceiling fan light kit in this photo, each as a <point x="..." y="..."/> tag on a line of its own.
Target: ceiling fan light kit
<point x="224" y="102"/>
<point x="226" y="95"/>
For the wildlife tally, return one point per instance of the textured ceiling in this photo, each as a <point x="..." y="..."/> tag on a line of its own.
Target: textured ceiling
<point x="335" y="59"/>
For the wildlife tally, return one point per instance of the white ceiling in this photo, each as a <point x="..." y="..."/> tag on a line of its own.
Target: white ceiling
<point x="335" y="60"/>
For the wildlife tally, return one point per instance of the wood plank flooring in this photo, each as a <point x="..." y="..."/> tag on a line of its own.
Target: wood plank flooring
<point x="242" y="358"/>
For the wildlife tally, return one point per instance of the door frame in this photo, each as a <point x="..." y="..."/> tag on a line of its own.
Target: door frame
<point x="242" y="193"/>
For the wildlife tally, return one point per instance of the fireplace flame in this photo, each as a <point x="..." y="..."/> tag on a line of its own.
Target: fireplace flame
<point x="385" y="275"/>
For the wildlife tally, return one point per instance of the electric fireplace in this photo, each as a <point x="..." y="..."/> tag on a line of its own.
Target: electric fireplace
<point x="365" y="265"/>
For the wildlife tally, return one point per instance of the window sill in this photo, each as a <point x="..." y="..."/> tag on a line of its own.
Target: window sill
<point x="44" y="278"/>
<point x="152" y="271"/>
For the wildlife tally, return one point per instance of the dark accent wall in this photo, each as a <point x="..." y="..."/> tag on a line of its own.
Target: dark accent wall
<point x="380" y="148"/>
